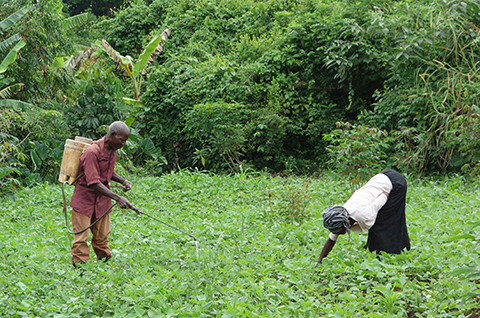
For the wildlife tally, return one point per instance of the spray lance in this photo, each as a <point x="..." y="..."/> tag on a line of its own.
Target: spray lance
<point x="171" y="226"/>
<point x="127" y="187"/>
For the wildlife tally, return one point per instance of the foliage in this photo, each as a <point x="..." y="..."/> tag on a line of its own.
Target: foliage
<point x="425" y="106"/>
<point x="97" y="7"/>
<point x="297" y="67"/>
<point x="471" y="273"/>
<point x="31" y="149"/>
<point x="98" y="102"/>
<point x="244" y="263"/>
<point x="218" y="130"/>
<point x="131" y="26"/>
<point x="358" y="151"/>
<point x="8" y="89"/>
<point x="466" y="137"/>
<point x="141" y="156"/>
<point x="46" y="32"/>
<point x="12" y="157"/>
<point x="136" y="70"/>
<point x="280" y="61"/>
<point x="266" y="133"/>
<point x="24" y="161"/>
<point x="290" y="203"/>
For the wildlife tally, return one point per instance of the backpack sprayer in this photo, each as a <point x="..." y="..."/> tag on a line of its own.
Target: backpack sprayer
<point x="69" y="173"/>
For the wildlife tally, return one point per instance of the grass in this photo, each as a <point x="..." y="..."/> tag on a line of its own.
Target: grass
<point x="254" y="257"/>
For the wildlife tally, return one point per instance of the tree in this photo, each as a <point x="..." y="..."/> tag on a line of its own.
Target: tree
<point x="97" y="7"/>
<point x="136" y="70"/>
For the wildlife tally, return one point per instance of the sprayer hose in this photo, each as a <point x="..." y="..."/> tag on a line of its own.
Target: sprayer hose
<point x="65" y="213"/>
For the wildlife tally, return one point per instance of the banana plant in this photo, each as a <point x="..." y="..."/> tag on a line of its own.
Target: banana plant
<point x="136" y="70"/>
<point x="7" y="90"/>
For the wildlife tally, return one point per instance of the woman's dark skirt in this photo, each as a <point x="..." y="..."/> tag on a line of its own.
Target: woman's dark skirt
<point x="389" y="233"/>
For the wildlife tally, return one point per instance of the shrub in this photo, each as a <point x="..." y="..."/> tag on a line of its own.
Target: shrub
<point x="97" y="101"/>
<point x="358" y="151"/>
<point x="218" y="130"/>
<point x="423" y="108"/>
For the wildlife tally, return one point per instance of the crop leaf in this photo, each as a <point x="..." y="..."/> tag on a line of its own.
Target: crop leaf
<point x="467" y="271"/>
<point x="13" y="103"/>
<point x="462" y="236"/>
<point x="149" y="148"/>
<point x="153" y="48"/>
<point x="125" y="62"/>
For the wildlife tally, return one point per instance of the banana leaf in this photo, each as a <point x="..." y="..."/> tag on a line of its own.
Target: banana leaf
<point x="14" y="17"/>
<point x="11" y="56"/>
<point x="10" y="41"/>
<point x="152" y="47"/>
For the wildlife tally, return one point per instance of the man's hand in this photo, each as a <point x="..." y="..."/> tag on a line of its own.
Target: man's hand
<point x="126" y="185"/>
<point x="136" y="210"/>
<point x="123" y="203"/>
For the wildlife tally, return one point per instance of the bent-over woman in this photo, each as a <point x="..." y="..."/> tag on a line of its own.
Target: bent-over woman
<point x="377" y="208"/>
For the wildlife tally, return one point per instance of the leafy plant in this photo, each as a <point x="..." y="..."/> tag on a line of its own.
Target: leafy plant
<point x="218" y="129"/>
<point x="358" y="151"/>
<point x="136" y="70"/>
<point x="141" y="156"/>
<point x="6" y="88"/>
<point x="442" y="91"/>
<point x="290" y="203"/>
<point x="472" y="273"/>
<point x="98" y="100"/>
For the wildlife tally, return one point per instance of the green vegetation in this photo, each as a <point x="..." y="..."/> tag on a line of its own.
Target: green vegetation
<point x="244" y="91"/>
<point x="254" y="257"/>
<point x="278" y="75"/>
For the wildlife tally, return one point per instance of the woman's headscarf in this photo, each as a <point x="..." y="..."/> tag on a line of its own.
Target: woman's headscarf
<point x="335" y="218"/>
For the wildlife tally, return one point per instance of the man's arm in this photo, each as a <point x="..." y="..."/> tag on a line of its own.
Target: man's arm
<point x="127" y="185"/>
<point x="122" y="202"/>
<point x="329" y="244"/>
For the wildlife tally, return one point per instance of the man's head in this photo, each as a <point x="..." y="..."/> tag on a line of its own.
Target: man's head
<point x="117" y="135"/>
<point x="336" y="219"/>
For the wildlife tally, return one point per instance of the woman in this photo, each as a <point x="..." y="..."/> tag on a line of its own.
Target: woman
<point x="379" y="208"/>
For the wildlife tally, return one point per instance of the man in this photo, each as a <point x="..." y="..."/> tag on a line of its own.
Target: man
<point x="379" y="208"/>
<point x="92" y="196"/>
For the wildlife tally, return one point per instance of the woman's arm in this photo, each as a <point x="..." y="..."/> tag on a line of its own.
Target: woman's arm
<point x="329" y="244"/>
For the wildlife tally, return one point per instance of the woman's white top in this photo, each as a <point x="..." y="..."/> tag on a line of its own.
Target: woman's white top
<point x="364" y="204"/>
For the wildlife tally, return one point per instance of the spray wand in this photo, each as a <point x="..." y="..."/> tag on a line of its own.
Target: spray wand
<point x="128" y="186"/>
<point x="171" y="226"/>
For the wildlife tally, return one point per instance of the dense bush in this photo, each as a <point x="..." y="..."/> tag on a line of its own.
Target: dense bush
<point x="287" y="70"/>
<point x="433" y="87"/>
<point x="297" y="68"/>
<point x="32" y="134"/>
<point x="129" y="27"/>
<point x="358" y="151"/>
<point x="217" y="132"/>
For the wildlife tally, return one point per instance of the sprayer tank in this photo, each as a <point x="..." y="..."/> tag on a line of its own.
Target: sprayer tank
<point x="71" y="158"/>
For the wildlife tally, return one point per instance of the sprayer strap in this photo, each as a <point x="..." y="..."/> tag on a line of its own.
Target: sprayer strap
<point x="79" y="176"/>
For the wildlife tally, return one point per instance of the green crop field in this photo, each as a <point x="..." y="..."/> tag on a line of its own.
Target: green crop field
<point x="258" y="241"/>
